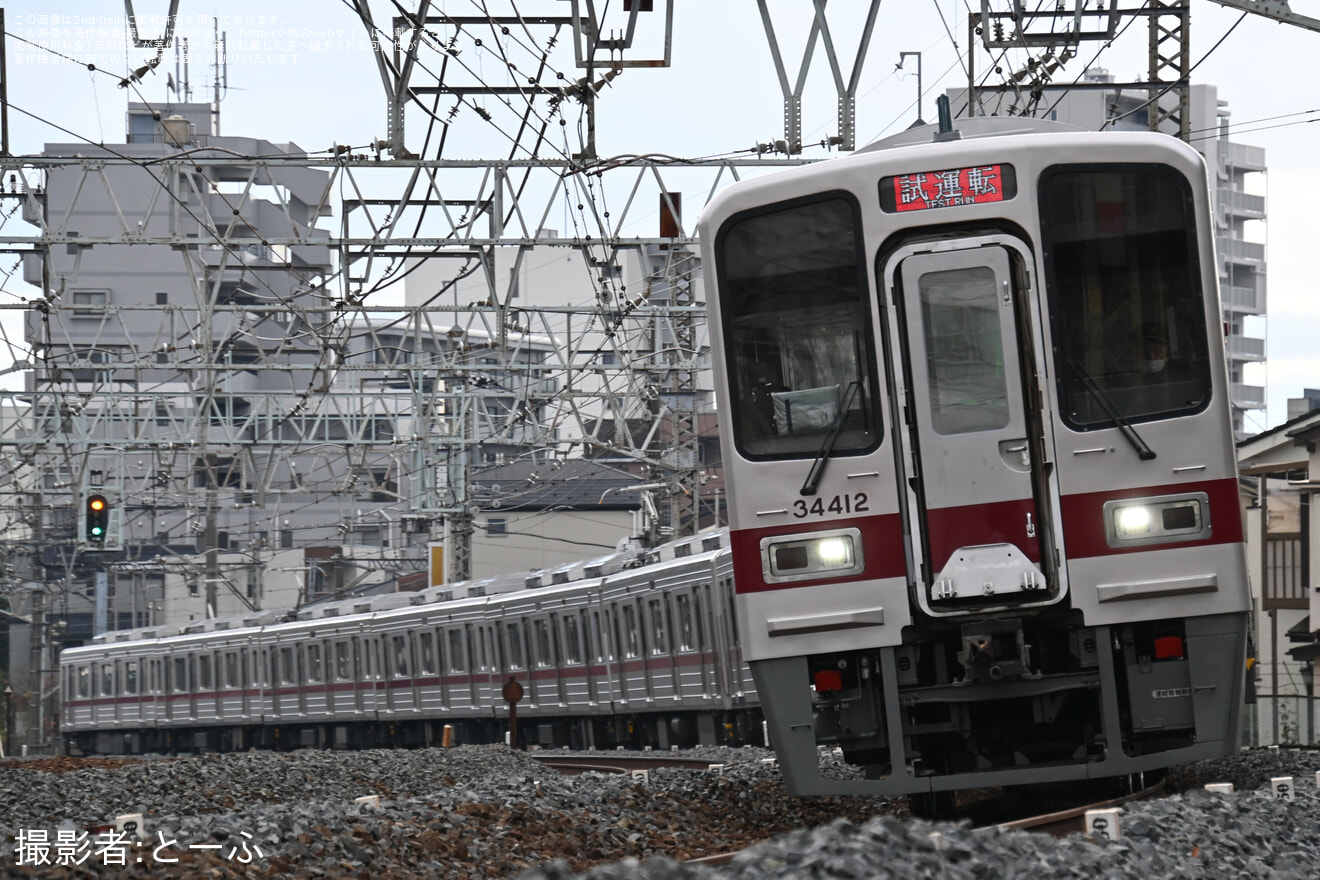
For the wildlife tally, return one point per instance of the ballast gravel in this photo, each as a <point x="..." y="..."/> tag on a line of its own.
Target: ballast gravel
<point x="489" y="812"/>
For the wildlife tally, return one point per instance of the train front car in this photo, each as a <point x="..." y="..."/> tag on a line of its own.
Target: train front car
<point x="983" y="496"/>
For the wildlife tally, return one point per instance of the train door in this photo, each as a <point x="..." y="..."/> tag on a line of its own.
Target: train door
<point x="979" y="503"/>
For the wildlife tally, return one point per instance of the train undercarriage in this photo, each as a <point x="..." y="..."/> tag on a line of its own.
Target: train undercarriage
<point x="636" y="731"/>
<point x="1007" y="701"/>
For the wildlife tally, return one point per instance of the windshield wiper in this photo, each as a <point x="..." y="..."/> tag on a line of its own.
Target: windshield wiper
<point x="818" y="466"/>
<point x="1144" y="452"/>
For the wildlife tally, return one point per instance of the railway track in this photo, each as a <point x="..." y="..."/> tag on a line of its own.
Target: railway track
<point x="1057" y="823"/>
<point x="1061" y="823"/>
<point x="604" y="762"/>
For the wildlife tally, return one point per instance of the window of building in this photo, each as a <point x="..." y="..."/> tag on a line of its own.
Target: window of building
<point x="89" y="303"/>
<point x="497" y="527"/>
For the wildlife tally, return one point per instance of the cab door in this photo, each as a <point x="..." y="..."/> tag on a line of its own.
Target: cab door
<point x="979" y="491"/>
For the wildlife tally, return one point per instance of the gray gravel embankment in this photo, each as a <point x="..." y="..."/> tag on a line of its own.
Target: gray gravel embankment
<point x="492" y="813"/>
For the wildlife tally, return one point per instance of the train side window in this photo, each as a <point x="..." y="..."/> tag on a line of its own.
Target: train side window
<point x="313" y="662"/>
<point x="796" y="308"/>
<point x="632" y="635"/>
<point x="514" y="631"/>
<point x="726" y="589"/>
<point x="204" y="672"/>
<point x="960" y="315"/>
<point x="485" y="635"/>
<point x="231" y="669"/>
<point x="131" y="677"/>
<point x="400" y="656"/>
<point x="701" y="604"/>
<point x="341" y="661"/>
<point x="572" y="640"/>
<point x="600" y="650"/>
<point x="288" y="673"/>
<point x="656" y="611"/>
<point x="457" y="652"/>
<point x="426" y="644"/>
<point x="153" y="676"/>
<point x="544" y="657"/>
<point x="84" y="681"/>
<point x="1126" y="298"/>
<point x="686" y="635"/>
<point x="107" y="680"/>
<point x="181" y="675"/>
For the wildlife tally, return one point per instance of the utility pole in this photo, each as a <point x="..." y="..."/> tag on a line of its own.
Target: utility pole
<point x="37" y="667"/>
<point x="4" y="92"/>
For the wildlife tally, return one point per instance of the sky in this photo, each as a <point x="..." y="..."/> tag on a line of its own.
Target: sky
<point x="303" y="72"/>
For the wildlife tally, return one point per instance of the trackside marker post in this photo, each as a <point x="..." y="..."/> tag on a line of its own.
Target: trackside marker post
<point x="1220" y="787"/>
<point x="1103" y="823"/>
<point x="1282" y="786"/>
<point x="132" y="825"/>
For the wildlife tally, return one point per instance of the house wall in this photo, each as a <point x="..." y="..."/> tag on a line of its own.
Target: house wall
<point x="534" y="540"/>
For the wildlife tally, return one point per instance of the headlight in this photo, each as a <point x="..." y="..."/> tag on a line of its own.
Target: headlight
<point x="820" y="554"/>
<point x="1133" y="522"/>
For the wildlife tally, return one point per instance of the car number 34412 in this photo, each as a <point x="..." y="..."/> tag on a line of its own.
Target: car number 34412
<point x="857" y="502"/>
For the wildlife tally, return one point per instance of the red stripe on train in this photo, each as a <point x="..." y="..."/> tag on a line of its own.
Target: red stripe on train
<point x="1084" y="518"/>
<point x="882" y="550"/>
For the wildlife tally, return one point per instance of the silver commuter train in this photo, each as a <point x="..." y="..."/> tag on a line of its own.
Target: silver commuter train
<point x="627" y="651"/>
<point x="983" y="495"/>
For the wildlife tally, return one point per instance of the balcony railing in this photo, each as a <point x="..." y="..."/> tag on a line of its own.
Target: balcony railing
<point x="1246" y="348"/>
<point x="1238" y="251"/>
<point x="1247" y="396"/>
<point x="1243" y="156"/>
<point x="1243" y="299"/>
<point x="1239" y="204"/>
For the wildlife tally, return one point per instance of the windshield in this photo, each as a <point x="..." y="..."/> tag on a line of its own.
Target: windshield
<point x="793" y="291"/>
<point x="1125" y="294"/>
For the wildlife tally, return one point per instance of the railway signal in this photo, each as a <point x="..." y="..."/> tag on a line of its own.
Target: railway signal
<point x="97" y="518"/>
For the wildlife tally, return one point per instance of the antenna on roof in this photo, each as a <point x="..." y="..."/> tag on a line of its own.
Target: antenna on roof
<point x="946" y="131"/>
